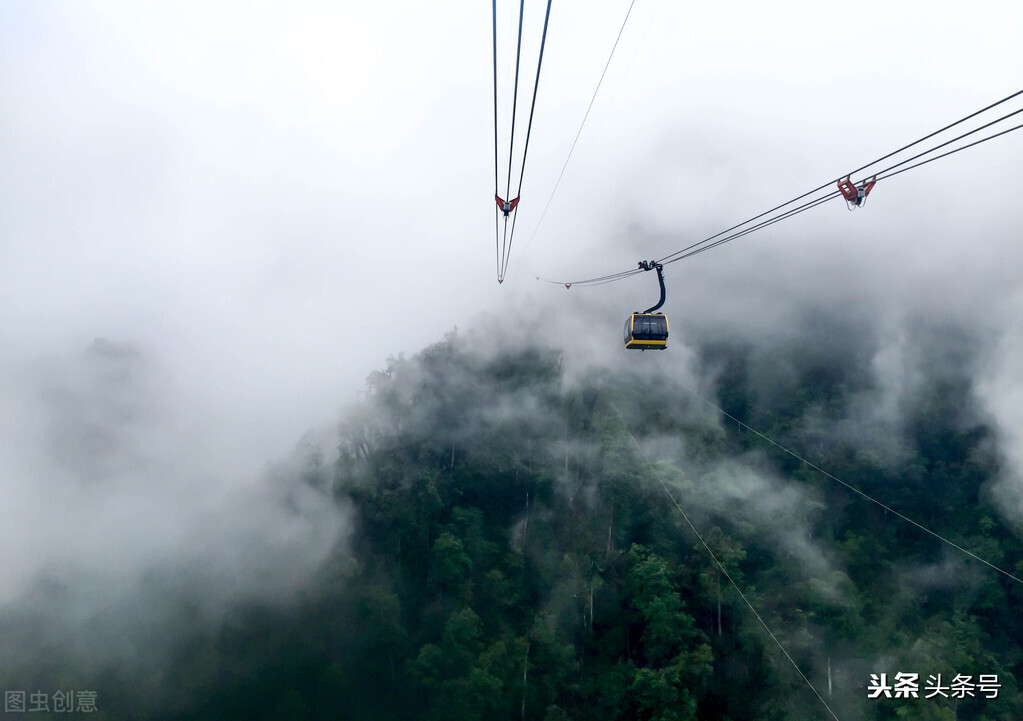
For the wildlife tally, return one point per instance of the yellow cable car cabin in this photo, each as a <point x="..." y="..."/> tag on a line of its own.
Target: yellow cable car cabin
<point x="646" y="331"/>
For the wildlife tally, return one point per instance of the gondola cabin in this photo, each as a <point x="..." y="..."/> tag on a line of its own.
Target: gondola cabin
<point x="646" y="331"/>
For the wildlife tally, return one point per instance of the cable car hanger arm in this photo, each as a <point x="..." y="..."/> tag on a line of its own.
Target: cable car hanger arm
<point x="652" y="265"/>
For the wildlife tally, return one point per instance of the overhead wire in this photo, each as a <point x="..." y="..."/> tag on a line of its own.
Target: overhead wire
<point x="529" y="131"/>
<point x="727" y="575"/>
<point x="952" y="152"/>
<point x="511" y="145"/>
<point x="759" y="226"/>
<point x="864" y="167"/>
<point x="595" y="281"/>
<point x="536" y="87"/>
<point x="671" y="258"/>
<point x="825" y="473"/>
<point x="497" y="211"/>
<point x="583" y="123"/>
<point x="854" y="489"/>
<point x="820" y="470"/>
<point x="614" y="277"/>
<point x="880" y="175"/>
<point x="928" y="137"/>
<point x="515" y="98"/>
<point x="507" y="254"/>
<point x="695" y="247"/>
<point x="495" y="99"/>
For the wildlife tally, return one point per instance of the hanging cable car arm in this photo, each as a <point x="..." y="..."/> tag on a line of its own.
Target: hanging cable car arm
<point x="651" y="265"/>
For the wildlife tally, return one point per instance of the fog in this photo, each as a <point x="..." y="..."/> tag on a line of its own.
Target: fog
<point x="216" y="220"/>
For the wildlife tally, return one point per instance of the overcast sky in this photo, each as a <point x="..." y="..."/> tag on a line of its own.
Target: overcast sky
<point x="264" y="201"/>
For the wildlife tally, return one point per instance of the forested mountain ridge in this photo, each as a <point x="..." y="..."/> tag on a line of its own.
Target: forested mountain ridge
<point x="516" y="556"/>
<point x="513" y="552"/>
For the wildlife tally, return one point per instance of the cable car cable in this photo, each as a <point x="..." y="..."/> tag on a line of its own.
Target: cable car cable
<point x="813" y="204"/>
<point x="949" y="142"/>
<point x="875" y="162"/>
<point x="507" y="254"/>
<point x="817" y="202"/>
<point x="497" y="218"/>
<point x="926" y="137"/>
<point x="594" y="281"/>
<point x="672" y="257"/>
<point x="515" y="97"/>
<point x="502" y="243"/>
<point x="771" y="221"/>
<point x="685" y="252"/>
<point x="603" y="280"/>
<point x="529" y="131"/>
<point x="977" y="142"/>
<point x="579" y="132"/>
<point x="810" y="192"/>
<point x="931" y="150"/>
<point x="742" y="595"/>
<point x="854" y="489"/>
<point x="495" y="99"/>
<point x="511" y="146"/>
<point x="536" y="87"/>
<point x="504" y="249"/>
<point x="722" y="568"/>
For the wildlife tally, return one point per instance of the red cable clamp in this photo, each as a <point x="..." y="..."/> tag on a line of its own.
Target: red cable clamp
<point x="856" y="195"/>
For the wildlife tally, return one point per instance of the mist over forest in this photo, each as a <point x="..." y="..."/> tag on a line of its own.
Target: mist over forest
<point x="489" y="534"/>
<point x="274" y="444"/>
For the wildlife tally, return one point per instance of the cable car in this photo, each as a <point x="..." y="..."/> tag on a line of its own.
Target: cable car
<point x="648" y="330"/>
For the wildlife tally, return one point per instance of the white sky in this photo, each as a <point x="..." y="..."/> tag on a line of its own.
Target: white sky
<point x="269" y="199"/>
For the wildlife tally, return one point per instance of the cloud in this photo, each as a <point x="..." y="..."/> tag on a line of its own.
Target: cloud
<point x="119" y="510"/>
<point x="1001" y="387"/>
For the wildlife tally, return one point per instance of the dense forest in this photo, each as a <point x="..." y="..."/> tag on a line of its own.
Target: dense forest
<point x="523" y="546"/>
